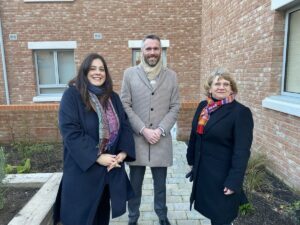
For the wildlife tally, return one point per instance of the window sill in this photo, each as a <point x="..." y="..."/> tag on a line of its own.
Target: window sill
<point x="281" y="103"/>
<point x="47" y="98"/>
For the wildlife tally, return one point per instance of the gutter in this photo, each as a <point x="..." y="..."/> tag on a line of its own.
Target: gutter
<point x="4" y="65"/>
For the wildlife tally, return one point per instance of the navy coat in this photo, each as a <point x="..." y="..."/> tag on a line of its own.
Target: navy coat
<point x="219" y="158"/>
<point x="83" y="178"/>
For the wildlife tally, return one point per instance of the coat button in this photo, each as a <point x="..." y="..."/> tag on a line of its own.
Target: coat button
<point x="151" y="109"/>
<point x="151" y="124"/>
<point x="152" y="93"/>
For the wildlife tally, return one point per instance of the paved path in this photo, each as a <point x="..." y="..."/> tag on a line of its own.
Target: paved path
<point x="178" y="193"/>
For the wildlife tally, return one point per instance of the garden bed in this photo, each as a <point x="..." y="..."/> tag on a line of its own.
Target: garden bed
<point x="275" y="205"/>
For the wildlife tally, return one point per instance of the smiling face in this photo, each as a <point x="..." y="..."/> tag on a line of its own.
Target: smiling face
<point x="96" y="74"/>
<point x="151" y="51"/>
<point x="220" y="88"/>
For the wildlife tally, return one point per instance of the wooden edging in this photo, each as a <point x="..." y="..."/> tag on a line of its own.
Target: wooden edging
<point x="38" y="210"/>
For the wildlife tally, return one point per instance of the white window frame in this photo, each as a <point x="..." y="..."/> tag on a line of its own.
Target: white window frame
<point x="55" y="46"/>
<point x="136" y="45"/>
<point x="286" y="102"/>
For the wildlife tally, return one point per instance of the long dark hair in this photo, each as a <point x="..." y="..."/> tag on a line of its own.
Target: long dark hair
<point x="81" y="81"/>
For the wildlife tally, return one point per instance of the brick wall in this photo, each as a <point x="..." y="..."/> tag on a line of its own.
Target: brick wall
<point x="34" y="123"/>
<point x="247" y="38"/>
<point x="118" y="21"/>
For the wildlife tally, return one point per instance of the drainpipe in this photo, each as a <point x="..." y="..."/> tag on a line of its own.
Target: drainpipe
<point x="4" y="65"/>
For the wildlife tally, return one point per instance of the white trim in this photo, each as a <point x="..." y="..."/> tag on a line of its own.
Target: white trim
<point x="286" y="32"/>
<point x="49" y="0"/>
<point x="285" y="104"/>
<point x="52" y="45"/>
<point x="138" y="43"/>
<point x="47" y="98"/>
<point x="283" y="4"/>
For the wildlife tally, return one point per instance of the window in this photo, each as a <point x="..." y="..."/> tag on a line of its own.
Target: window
<point x="289" y="100"/>
<point x="54" y="66"/>
<point x="291" y="76"/>
<point x="54" y="69"/>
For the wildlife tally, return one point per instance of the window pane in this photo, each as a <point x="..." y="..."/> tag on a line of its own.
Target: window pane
<point x="66" y="66"/>
<point x="52" y="90"/>
<point x="45" y="64"/>
<point x="292" y="76"/>
<point x="136" y="57"/>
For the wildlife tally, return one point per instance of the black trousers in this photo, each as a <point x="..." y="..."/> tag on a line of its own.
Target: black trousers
<point x="159" y="175"/>
<point x="103" y="211"/>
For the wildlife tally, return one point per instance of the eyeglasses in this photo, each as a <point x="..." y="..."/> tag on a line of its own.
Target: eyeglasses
<point x="219" y="84"/>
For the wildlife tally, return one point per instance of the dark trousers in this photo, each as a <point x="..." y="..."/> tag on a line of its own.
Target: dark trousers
<point x="103" y="211"/>
<point x="214" y="223"/>
<point x="159" y="175"/>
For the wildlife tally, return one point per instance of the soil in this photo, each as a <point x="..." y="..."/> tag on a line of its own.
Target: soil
<point x="14" y="200"/>
<point x="271" y="206"/>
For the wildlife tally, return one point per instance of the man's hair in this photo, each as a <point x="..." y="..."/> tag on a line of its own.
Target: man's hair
<point x="151" y="36"/>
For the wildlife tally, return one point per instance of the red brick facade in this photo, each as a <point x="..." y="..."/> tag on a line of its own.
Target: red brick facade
<point x="247" y="37"/>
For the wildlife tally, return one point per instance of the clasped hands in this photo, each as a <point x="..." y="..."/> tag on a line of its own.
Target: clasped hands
<point x="152" y="135"/>
<point x="111" y="161"/>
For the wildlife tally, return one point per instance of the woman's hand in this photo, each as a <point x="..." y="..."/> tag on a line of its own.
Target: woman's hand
<point x="121" y="156"/>
<point x="227" y="191"/>
<point x="119" y="159"/>
<point x="106" y="159"/>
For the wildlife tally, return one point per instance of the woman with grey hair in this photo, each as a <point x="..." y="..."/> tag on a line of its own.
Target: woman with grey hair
<point x="219" y="149"/>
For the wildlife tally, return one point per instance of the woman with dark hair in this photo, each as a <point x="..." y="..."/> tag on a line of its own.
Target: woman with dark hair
<point x="97" y="140"/>
<point x="219" y="149"/>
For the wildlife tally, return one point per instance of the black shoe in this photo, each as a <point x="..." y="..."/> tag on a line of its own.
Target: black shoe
<point x="132" y="223"/>
<point x="164" y="222"/>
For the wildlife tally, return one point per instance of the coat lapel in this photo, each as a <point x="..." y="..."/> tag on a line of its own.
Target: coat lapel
<point x="161" y="78"/>
<point x="219" y="114"/>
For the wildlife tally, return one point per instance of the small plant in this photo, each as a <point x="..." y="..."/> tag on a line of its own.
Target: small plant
<point x="255" y="177"/>
<point x="2" y="175"/>
<point x="19" y="168"/>
<point x="27" y="149"/>
<point x="255" y="180"/>
<point x="246" y="209"/>
<point x="292" y="210"/>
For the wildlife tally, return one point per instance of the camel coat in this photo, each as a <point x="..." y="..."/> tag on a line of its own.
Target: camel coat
<point x="152" y="108"/>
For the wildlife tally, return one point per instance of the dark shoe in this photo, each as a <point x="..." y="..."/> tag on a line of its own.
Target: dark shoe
<point x="164" y="222"/>
<point x="132" y="223"/>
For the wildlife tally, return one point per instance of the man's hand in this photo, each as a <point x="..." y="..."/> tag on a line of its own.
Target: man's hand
<point x="152" y="136"/>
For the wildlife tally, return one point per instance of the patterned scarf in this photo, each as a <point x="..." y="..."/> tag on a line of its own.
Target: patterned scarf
<point x="208" y="109"/>
<point x="107" y="136"/>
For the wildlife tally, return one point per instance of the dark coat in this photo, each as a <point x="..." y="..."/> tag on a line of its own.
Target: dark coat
<point x="219" y="158"/>
<point x="83" y="178"/>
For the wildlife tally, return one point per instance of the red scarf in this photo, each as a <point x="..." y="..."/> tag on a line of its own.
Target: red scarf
<point x="209" y="108"/>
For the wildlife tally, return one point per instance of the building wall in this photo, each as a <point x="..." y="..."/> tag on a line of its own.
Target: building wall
<point x="118" y="21"/>
<point x="247" y="37"/>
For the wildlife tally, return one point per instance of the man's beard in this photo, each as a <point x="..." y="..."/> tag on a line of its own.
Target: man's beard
<point x="152" y="62"/>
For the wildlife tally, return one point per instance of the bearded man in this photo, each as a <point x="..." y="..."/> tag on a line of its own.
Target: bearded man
<point x="150" y="98"/>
